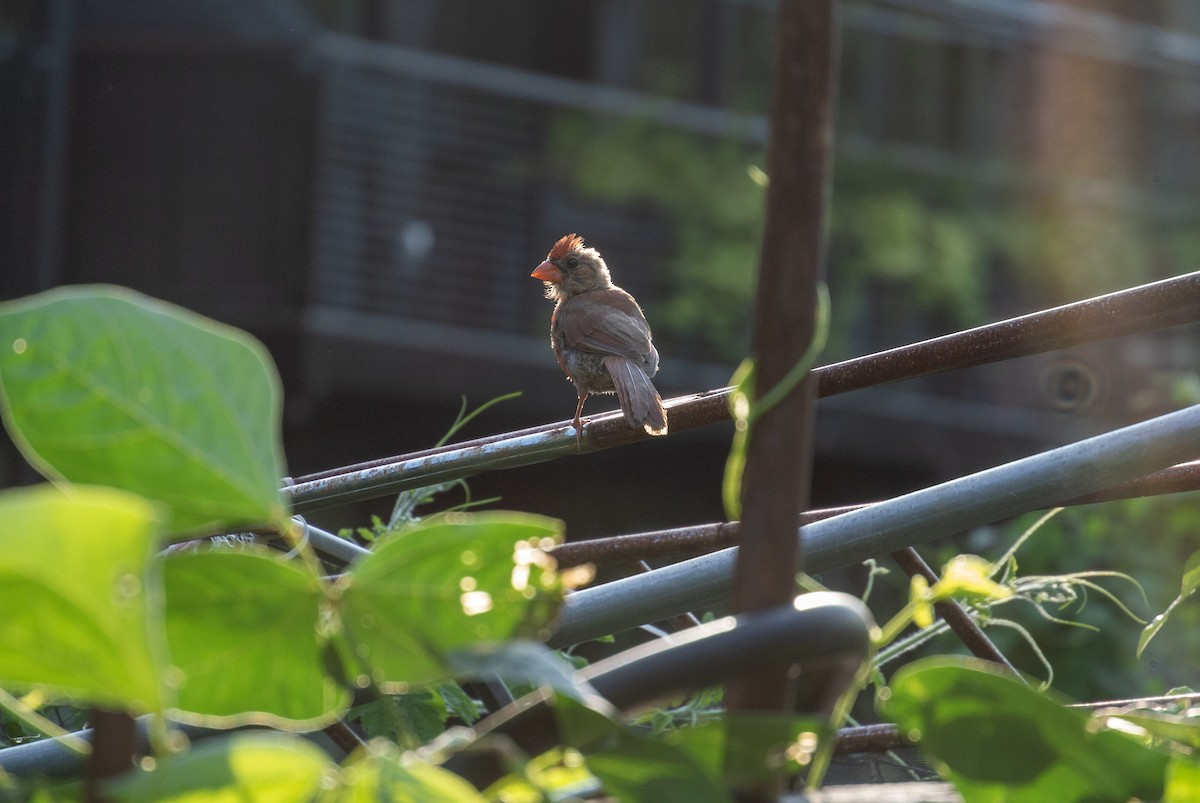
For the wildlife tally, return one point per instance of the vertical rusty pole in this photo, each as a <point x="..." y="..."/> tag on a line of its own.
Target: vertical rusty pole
<point x="114" y="743"/>
<point x="775" y="483"/>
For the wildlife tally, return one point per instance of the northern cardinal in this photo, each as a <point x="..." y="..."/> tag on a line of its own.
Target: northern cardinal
<point x="599" y="334"/>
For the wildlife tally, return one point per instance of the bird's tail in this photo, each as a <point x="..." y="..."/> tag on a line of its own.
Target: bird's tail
<point x="640" y="402"/>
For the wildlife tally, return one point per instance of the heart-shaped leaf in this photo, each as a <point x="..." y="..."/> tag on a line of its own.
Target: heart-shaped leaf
<point x="461" y="582"/>
<point x="998" y="739"/>
<point x="246" y="633"/>
<point x="101" y="385"/>
<point x="79" y="592"/>
<point x="234" y="769"/>
<point x="381" y="772"/>
<point x="1188" y="587"/>
<point x="1183" y="781"/>
<point x="631" y="766"/>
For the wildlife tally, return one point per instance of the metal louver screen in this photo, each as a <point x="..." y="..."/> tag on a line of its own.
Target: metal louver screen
<point x="423" y="200"/>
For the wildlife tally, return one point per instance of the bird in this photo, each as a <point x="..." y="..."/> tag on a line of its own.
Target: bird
<point x="599" y="335"/>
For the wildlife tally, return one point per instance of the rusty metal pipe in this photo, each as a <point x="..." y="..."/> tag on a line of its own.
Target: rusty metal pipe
<point x="701" y="538"/>
<point x="1042" y="480"/>
<point x="1158" y="305"/>
<point x="1170" y="302"/>
<point x="696" y="539"/>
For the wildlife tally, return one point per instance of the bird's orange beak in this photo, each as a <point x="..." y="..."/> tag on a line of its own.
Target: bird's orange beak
<point x="548" y="272"/>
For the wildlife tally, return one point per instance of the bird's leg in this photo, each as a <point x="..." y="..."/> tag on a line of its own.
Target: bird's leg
<point x="578" y="423"/>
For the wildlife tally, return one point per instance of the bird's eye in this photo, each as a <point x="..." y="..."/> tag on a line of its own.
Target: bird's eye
<point x="572" y="262"/>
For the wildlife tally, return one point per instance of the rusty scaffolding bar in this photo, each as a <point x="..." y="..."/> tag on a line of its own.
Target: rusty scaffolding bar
<point x="1170" y="302"/>
<point x="701" y="538"/>
<point x="778" y="467"/>
<point x="1042" y="480"/>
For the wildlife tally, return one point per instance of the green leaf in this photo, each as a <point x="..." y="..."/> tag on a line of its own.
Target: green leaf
<point x="761" y="745"/>
<point x="969" y="577"/>
<point x="463" y="582"/>
<point x="415" y="718"/>
<point x="423" y="714"/>
<point x="1191" y="582"/>
<point x="246" y="633"/>
<point x="523" y="664"/>
<point x="1171" y="722"/>
<point x="410" y="719"/>
<point x="630" y="766"/>
<point x="1162" y="725"/>
<point x="101" y="385"/>
<point x="268" y="767"/>
<point x="1183" y="782"/>
<point x="751" y="746"/>
<point x="704" y="743"/>
<point x="78" y="591"/>
<point x="458" y="703"/>
<point x="259" y="767"/>
<point x="998" y="739"/>
<point x="381" y="772"/>
<point x="557" y="774"/>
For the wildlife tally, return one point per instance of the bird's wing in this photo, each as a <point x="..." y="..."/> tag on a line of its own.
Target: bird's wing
<point x="606" y="322"/>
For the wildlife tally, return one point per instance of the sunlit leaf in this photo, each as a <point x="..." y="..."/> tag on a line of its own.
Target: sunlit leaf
<point x="78" y="592"/>
<point x="245" y="631"/>
<point x="1161" y="725"/>
<point x="462" y="582"/>
<point x="1191" y="582"/>
<point x="104" y="386"/>
<point x="631" y="766"/>
<point x="968" y="576"/>
<point x="761" y="745"/>
<point x="259" y="767"/>
<point x="526" y="663"/>
<point x="407" y="719"/>
<point x="705" y="743"/>
<point x="1183" y="782"/>
<point x="557" y="774"/>
<point x="998" y="739"/>
<point x="380" y="772"/>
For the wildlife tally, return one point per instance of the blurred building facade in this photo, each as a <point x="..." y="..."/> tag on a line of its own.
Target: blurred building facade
<point x="365" y="184"/>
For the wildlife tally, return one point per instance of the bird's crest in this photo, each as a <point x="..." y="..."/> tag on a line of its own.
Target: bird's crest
<point x="565" y="245"/>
